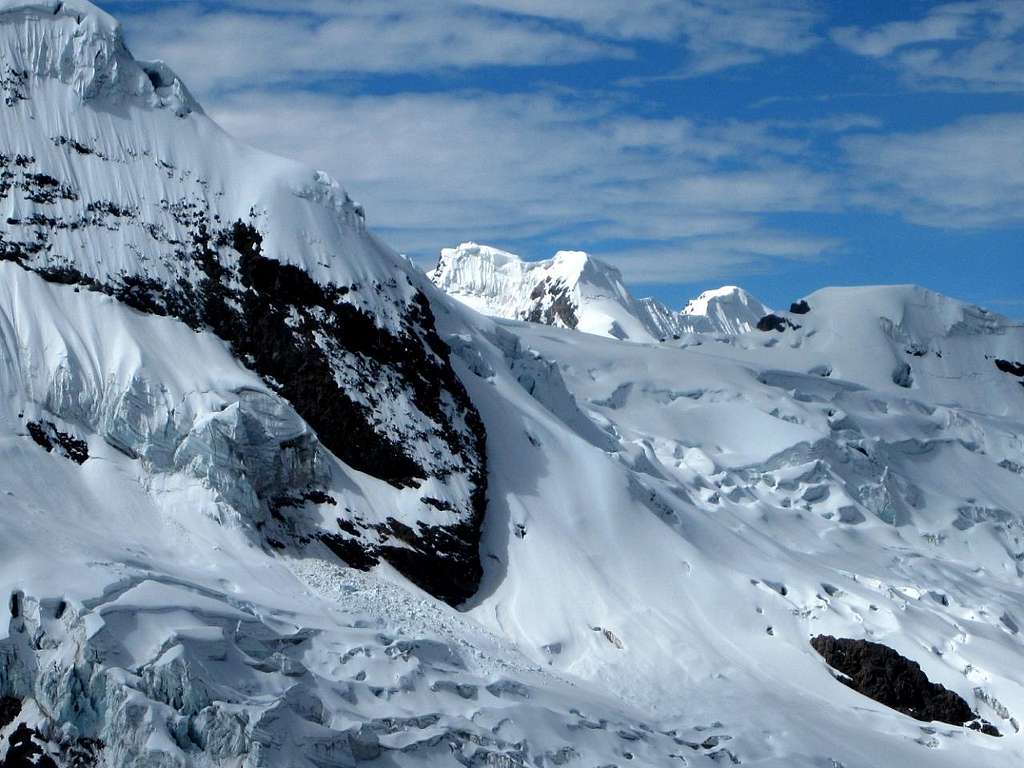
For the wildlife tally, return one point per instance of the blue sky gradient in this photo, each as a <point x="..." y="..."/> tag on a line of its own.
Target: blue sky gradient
<point x="782" y="145"/>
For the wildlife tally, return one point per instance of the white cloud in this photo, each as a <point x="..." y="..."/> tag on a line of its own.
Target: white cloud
<point x="237" y="42"/>
<point x="717" y="35"/>
<point x="575" y="170"/>
<point x="436" y="169"/>
<point x="943" y="23"/>
<point x="975" y="45"/>
<point x="234" y="49"/>
<point x="965" y="175"/>
<point x="719" y="258"/>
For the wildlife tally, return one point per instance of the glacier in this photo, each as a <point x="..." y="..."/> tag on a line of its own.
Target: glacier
<point x="271" y="497"/>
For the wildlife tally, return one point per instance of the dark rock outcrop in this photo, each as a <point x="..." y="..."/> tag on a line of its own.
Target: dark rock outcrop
<point x="26" y="749"/>
<point x="881" y="674"/>
<point x="1012" y="368"/>
<point x="47" y="436"/>
<point x="554" y="304"/>
<point x="903" y="376"/>
<point x="800" y="307"/>
<point x="770" y="323"/>
<point x="10" y="708"/>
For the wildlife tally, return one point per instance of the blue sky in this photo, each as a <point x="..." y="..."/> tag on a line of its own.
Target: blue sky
<point x="782" y="145"/>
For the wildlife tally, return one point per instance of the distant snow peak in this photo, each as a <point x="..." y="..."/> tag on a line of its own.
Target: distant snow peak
<point x="729" y="310"/>
<point x="569" y="290"/>
<point x="575" y="290"/>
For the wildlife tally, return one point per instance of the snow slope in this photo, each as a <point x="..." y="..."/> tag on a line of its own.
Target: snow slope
<point x="249" y="457"/>
<point x="754" y="501"/>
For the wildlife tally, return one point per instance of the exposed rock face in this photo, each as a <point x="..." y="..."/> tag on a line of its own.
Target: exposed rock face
<point x="553" y="304"/>
<point x="1012" y="368"/>
<point x="880" y="673"/>
<point x="776" y="323"/>
<point x="47" y="436"/>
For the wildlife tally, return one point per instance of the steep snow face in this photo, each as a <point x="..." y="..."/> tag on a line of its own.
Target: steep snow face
<point x="575" y="290"/>
<point x="571" y="290"/>
<point x="728" y="310"/>
<point x="111" y="180"/>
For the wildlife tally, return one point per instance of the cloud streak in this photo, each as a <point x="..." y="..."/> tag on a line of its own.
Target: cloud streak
<point x="975" y="45"/>
<point x="969" y="174"/>
<point x="438" y="168"/>
<point x="228" y="50"/>
<point x="225" y="45"/>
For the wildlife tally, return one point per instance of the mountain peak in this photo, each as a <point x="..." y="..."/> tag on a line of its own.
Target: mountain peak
<point x="568" y="264"/>
<point x="726" y="291"/>
<point x="570" y="290"/>
<point x="78" y="44"/>
<point x="575" y="290"/>
<point x="728" y="309"/>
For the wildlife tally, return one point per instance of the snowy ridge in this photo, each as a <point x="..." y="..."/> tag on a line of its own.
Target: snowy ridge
<point x="250" y="459"/>
<point x="906" y="338"/>
<point x="575" y="290"/>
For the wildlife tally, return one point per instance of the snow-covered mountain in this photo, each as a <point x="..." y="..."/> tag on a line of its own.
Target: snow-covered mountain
<point x="726" y="310"/>
<point x="575" y="290"/>
<point x="115" y="182"/>
<point x="271" y="498"/>
<point x="570" y="290"/>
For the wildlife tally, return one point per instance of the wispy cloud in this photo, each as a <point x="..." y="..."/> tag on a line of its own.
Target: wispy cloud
<point x="411" y="105"/>
<point x="709" y="257"/>
<point x="438" y="168"/>
<point x="965" y="175"/>
<point x="973" y="45"/>
<point x="220" y="50"/>
<point x="448" y="164"/>
<point x="716" y="35"/>
<point x="224" y="45"/>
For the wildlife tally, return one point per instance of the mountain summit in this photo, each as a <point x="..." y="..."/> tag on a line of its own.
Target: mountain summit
<point x="727" y="310"/>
